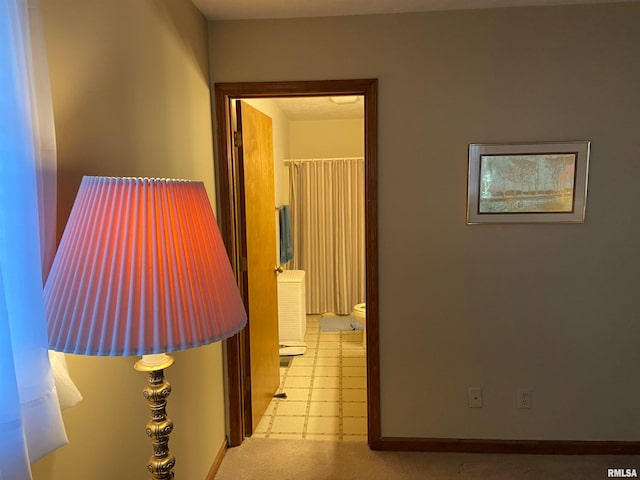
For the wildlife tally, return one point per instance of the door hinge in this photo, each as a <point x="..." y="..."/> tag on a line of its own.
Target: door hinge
<point x="244" y="264"/>
<point x="237" y="139"/>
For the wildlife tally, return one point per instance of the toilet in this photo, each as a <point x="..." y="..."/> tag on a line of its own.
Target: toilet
<point x="360" y="313"/>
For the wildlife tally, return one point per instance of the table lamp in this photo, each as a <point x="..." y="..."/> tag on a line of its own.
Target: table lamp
<point x="142" y="270"/>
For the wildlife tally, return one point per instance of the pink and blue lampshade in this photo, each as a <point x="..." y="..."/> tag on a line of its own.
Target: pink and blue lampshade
<point x="141" y="269"/>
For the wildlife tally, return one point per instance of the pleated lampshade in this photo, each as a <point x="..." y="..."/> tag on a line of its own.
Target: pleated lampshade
<point x="141" y="269"/>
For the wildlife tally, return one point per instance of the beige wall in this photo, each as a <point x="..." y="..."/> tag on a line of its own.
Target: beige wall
<point x="550" y="307"/>
<point x="131" y="98"/>
<point x="327" y="138"/>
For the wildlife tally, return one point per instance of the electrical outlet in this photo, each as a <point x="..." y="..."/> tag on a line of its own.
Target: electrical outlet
<point x="475" y="397"/>
<point x="524" y="398"/>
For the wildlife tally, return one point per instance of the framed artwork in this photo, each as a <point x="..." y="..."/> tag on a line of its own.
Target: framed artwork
<point x="527" y="183"/>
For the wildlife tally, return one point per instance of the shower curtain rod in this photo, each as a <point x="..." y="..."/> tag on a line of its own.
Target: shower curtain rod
<point x="289" y="160"/>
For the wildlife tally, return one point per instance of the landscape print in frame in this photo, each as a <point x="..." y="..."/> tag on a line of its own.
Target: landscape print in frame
<point x="527" y="183"/>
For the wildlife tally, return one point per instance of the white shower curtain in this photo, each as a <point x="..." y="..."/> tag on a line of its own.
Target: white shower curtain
<point x="327" y="221"/>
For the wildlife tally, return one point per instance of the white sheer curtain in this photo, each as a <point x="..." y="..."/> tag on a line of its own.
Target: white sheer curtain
<point x="30" y="419"/>
<point x="327" y="223"/>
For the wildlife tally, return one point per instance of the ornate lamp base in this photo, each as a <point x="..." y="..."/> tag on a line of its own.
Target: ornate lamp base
<point x="159" y="426"/>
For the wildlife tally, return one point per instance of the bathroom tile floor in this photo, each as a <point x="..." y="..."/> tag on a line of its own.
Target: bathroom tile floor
<point x="326" y="390"/>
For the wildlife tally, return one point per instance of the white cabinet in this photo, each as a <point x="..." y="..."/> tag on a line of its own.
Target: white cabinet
<point x="292" y="315"/>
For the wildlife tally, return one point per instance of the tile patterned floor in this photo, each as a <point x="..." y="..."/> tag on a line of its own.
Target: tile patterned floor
<point x="326" y="390"/>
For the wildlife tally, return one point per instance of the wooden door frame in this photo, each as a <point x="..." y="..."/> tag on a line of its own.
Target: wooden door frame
<point x="235" y="346"/>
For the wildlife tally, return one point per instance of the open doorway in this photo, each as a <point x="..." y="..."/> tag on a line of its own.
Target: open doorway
<point x="238" y="348"/>
<point x="318" y="157"/>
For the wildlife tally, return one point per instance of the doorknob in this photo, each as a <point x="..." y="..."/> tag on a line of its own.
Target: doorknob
<point x="279" y="269"/>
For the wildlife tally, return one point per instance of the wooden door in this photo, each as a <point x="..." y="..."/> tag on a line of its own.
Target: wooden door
<point x="257" y="219"/>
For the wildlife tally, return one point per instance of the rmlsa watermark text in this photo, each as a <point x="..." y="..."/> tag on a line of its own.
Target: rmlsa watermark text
<point x="622" y="473"/>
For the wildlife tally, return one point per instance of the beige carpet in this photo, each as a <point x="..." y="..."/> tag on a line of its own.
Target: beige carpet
<point x="274" y="459"/>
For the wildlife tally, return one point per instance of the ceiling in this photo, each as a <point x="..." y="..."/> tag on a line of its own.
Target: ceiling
<point x="254" y="9"/>
<point x="319" y="108"/>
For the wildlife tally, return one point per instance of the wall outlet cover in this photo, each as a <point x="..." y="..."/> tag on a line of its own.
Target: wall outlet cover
<point x="475" y="397"/>
<point x="524" y="398"/>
